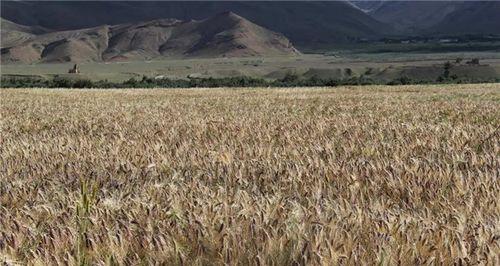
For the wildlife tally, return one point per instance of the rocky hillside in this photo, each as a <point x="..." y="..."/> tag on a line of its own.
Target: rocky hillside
<point x="305" y="23"/>
<point x="223" y="35"/>
<point x="471" y="18"/>
<point x="436" y="17"/>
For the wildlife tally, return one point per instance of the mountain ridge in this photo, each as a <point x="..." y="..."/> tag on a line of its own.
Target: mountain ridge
<point x="436" y="17"/>
<point x="224" y="35"/>
<point x="306" y="23"/>
<point x="481" y="17"/>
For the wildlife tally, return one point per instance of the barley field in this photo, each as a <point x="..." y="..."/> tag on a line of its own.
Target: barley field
<point x="323" y="176"/>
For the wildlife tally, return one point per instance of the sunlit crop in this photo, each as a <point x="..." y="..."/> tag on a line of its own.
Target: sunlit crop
<point x="324" y="176"/>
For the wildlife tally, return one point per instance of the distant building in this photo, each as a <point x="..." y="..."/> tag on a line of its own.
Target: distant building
<point x="74" y="70"/>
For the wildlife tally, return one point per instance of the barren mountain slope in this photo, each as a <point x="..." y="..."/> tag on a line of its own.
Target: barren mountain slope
<point x="414" y="16"/>
<point x="12" y="33"/>
<point x="305" y="23"/>
<point x="225" y="34"/>
<point x="436" y="17"/>
<point x="471" y="18"/>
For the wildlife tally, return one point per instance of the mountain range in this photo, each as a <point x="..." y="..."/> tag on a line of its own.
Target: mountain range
<point x="305" y="23"/>
<point x="435" y="17"/>
<point x="60" y="31"/>
<point x="223" y="35"/>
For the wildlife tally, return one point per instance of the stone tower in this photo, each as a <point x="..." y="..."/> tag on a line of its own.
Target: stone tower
<point x="74" y="70"/>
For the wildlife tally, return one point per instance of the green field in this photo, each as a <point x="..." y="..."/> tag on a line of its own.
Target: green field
<point x="381" y="66"/>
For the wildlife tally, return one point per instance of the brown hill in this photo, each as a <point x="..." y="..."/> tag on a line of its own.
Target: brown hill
<point x="307" y="24"/>
<point x="13" y="34"/>
<point x="224" y="35"/>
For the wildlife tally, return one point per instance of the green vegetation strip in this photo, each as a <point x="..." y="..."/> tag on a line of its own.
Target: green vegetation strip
<point x="290" y="80"/>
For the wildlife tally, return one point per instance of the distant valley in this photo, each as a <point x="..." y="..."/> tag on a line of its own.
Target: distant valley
<point x="377" y="40"/>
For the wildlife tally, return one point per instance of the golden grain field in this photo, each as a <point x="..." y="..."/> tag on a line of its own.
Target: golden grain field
<point x="355" y="175"/>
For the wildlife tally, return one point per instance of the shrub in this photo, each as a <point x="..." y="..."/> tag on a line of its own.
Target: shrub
<point x="473" y="61"/>
<point x="290" y="80"/>
<point x="83" y="83"/>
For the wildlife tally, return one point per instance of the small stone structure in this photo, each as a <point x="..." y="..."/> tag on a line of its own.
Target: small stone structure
<point x="74" y="70"/>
